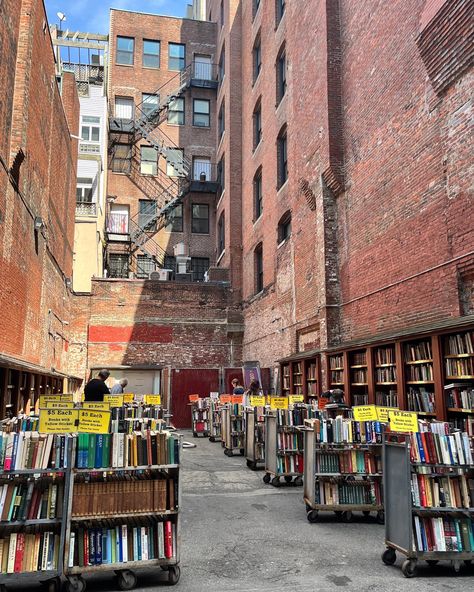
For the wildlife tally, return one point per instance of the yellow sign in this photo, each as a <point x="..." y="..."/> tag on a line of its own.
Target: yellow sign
<point x="93" y="422"/>
<point x="58" y="421"/>
<point x="257" y="401"/>
<point x="382" y="412"/>
<point x="403" y="421"/>
<point x="97" y="406"/>
<point x="57" y="405"/>
<point x="295" y="399"/>
<point x="128" y="398"/>
<point x="114" y="400"/>
<point x="153" y="399"/>
<point x="365" y="413"/>
<point x="55" y="399"/>
<point x="279" y="402"/>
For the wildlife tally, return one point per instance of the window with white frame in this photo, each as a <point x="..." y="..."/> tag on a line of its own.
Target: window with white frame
<point x="124" y="107"/>
<point x="84" y="190"/>
<point x="90" y="129"/>
<point x="176" y="112"/>
<point x="174" y="162"/>
<point x="148" y="160"/>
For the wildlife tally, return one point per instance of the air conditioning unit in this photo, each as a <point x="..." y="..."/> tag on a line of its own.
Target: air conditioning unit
<point x="161" y="275"/>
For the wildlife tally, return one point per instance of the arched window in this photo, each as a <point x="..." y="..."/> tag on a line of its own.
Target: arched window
<point x="258" y="265"/>
<point x="284" y="227"/>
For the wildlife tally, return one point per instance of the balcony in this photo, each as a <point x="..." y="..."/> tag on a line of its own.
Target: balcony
<point x="204" y="177"/>
<point x="203" y="75"/>
<point x="87" y="209"/>
<point x="117" y="227"/>
<point x="88" y="148"/>
<point x="93" y="74"/>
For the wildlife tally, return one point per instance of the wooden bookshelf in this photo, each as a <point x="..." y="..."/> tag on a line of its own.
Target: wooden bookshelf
<point x="336" y="370"/>
<point x="458" y="366"/>
<point x="301" y="376"/>
<point x="285" y="379"/>
<point x="297" y="378"/>
<point x="419" y="376"/>
<point x="360" y="374"/>
<point x="386" y="375"/>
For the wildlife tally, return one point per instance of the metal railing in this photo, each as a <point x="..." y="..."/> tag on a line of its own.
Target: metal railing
<point x="86" y="148"/>
<point x="85" y="72"/>
<point x="85" y="208"/>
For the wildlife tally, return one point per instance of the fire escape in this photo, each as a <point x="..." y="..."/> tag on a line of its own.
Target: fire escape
<point x="165" y="192"/>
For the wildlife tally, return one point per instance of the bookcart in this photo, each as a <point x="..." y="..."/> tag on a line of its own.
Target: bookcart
<point x="200" y="417"/>
<point x="429" y="506"/>
<point x="254" y="437"/>
<point x="123" y="512"/>
<point x="340" y="476"/>
<point x="34" y="494"/>
<point x="233" y="429"/>
<point x="215" y="432"/>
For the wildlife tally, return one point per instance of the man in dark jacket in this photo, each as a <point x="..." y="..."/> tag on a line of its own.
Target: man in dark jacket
<point x="96" y="388"/>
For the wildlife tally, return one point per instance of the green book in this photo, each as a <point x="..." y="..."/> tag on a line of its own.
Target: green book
<point x="106" y="450"/>
<point x="90" y="451"/>
<point x="113" y="543"/>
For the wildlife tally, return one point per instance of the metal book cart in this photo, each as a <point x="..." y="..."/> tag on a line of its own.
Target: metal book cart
<point x="254" y="438"/>
<point x="312" y="478"/>
<point x="200" y="418"/>
<point x="400" y="513"/>
<point x="273" y="453"/>
<point x="125" y="571"/>
<point x="232" y="430"/>
<point x="215" y="432"/>
<point x="51" y="578"/>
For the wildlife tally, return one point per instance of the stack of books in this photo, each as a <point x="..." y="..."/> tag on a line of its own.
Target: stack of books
<point x="31" y="500"/>
<point x="444" y="534"/>
<point x="31" y="450"/>
<point x="29" y="552"/>
<point x="341" y="430"/>
<point x="349" y="462"/>
<point x="340" y="491"/>
<point x="434" y="444"/>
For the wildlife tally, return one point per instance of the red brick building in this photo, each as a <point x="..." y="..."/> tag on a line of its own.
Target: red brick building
<point x="38" y="114"/>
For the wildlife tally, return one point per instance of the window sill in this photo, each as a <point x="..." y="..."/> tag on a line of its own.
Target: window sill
<point x="280" y="102"/>
<point x="255" y="80"/>
<point x="220" y="140"/>
<point x="201" y="233"/>
<point x="258" y="219"/>
<point x="151" y="67"/>
<point x="219" y="259"/>
<point x="283" y="242"/>
<point x="255" y="149"/>
<point x="175" y="124"/>
<point x="277" y="25"/>
<point x="203" y="127"/>
<point x="125" y="65"/>
<point x="282" y="186"/>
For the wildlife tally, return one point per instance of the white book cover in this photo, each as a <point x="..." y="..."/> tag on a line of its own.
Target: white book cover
<point x="124" y="543"/>
<point x="126" y="462"/>
<point x="418" y="533"/>
<point x="47" y="451"/>
<point x="121" y="448"/>
<point x="135" y="543"/>
<point x="454" y="451"/>
<point x="19" y="450"/>
<point x="144" y="543"/>
<point x="459" y="448"/>
<point x="44" y="557"/>
<point x="11" y="553"/>
<point x="3" y="495"/>
<point x="467" y="449"/>
<point x="442" y="538"/>
<point x="161" y="541"/>
<point x="72" y="542"/>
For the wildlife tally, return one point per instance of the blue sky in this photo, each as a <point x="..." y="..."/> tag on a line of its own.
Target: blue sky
<point x="93" y="15"/>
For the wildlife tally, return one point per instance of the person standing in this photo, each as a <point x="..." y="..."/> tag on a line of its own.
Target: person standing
<point x="237" y="388"/>
<point x="118" y="387"/>
<point x="96" y="388"/>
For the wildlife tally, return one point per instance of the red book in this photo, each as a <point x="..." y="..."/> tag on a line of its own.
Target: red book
<point x="168" y="540"/>
<point x="421" y="487"/>
<point x="31" y="515"/>
<point x="425" y="446"/>
<point x="86" y="548"/>
<point x="20" y="549"/>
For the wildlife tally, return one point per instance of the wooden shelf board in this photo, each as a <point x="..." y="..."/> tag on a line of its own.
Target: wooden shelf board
<point x="385" y="365"/>
<point x="359" y="366"/>
<point x="420" y="382"/>
<point x="459" y="356"/>
<point x="340" y="368"/>
<point x="462" y="377"/>
<point x="384" y="383"/>
<point x="456" y="410"/>
<point x="359" y="383"/>
<point x="428" y="413"/>
<point x="337" y="383"/>
<point x="311" y="380"/>
<point x="419" y="362"/>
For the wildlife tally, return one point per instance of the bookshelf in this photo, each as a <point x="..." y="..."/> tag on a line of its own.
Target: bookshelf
<point x="312" y="378"/>
<point x="254" y="437"/>
<point x="285" y="379"/>
<point x="233" y="434"/>
<point x="359" y="373"/>
<point x="386" y="376"/>
<point x="200" y="418"/>
<point x="336" y="373"/>
<point x="297" y="378"/>
<point x="215" y="433"/>
<point x="301" y="376"/>
<point x="419" y="376"/>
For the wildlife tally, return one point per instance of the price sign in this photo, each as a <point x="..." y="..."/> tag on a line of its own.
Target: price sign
<point x="93" y="422"/>
<point x="403" y="421"/>
<point x="382" y="413"/>
<point x="295" y="399"/>
<point x="225" y="398"/>
<point x="257" y="401"/>
<point x="96" y="405"/>
<point x="365" y="413"/>
<point x="58" y="421"/>
<point x="193" y="398"/>
<point x="279" y="402"/>
<point x="44" y="399"/>
<point x="114" y="400"/>
<point x="153" y="399"/>
<point x="237" y="399"/>
<point x="128" y="397"/>
<point x="57" y="405"/>
<point x="322" y="402"/>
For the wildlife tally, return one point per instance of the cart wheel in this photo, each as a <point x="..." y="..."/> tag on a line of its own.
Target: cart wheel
<point x="126" y="579"/>
<point x="276" y="481"/>
<point x="409" y="568"/>
<point x="195" y="435"/>
<point x="267" y="477"/>
<point x="75" y="584"/>
<point x="54" y="585"/>
<point x="380" y="517"/>
<point x="164" y="567"/>
<point x="347" y="516"/>
<point x="288" y="478"/>
<point x="389" y="556"/>
<point x="212" y="439"/>
<point x="312" y="516"/>
<point x="298" y="481"/>
<point x="339" y="515"/>
<point x="173" y="575"/>
<point x="432" y="562"/>
<point x="366" y="513"/>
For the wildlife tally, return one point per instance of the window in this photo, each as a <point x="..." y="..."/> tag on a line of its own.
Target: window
<point x="257" y="58"/>
<point x="170" y="263"/>
<point x="221" y="121"/>
<point x="176" y="112"/>
<point x="176" y="56"/>
<point x="222" y="66"/>
<point x="222" y="13"/>
<point x="202" y="112"/>
<point x="124" y="107"/>
<point x="145" y="266"/>
<point x="200" y="219"/>
<point x="175" y="219"/>
<point x="84" y="190"/>
<point x="148" y="160"/>
<point x="150" y="105"/>
<point x="257" y="124"/>
<point x="199" y="266"/>
<point x="256" y="6"/>
<point x="258" y="264"/>
<point x="282" y="162"/>
<point x="90" y="129"/>
<point x="281" y="75"/>
<point x="174" y="162"/>
<point x="202" y="67"/>
<point x="221" y="234"/>
<point x="284" y="227"/>
<point x="221" y="174"/>
<point x="201" y="166"/>
<point x="280" y="10"/>
<point x="147" y="214"/>
<point x="118" y="265"/>
<point x="125" y="51"/>
<point x="257" y="194"/>
<point x="122" y="158"/>
<point x="151" y="54"/>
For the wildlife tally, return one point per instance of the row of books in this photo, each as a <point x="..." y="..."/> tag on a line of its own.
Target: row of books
<point x="311" y="373"/>
<point x="292" y="441"/>
<point x="358" y="359"/>
<point x="237" y="425"/>
<point x="420" y="399"/>
<point x="31" y="500"/>
<point x="348" y="461"/>
<point x="236" y="409"/>
<point x="122" y="544"/>
<point x="442" y="492"/>
<point x="31" y="450"/>
<point x="358" y="399"/>
<point x="419" y="373"/>
<point x="359" y="376"/>
<point x="237" y="441"/>
<point x="341" y="430"/>
<point x="459" y="396"/>
<point x="24" y="552"/>
<point x="443" y="534"/>
<point x="418" y="351"/>
<point x="112" y="496"/>
<point x="200" y="404"/>
<point x="461" y="343"/>
<point x="432" y="446"/>
<point x="130" y="425"/>
<point x="21" y="423"/>
<point x="126" y="450"/>
<point x="295" y="416"/>
<point x="464" y="424"/>
<point x="389" y="399"/>
<point x="137" y="412"/>
<point x="460" y="367"/>
<point x="341" y="491"/>
<point x="290" y="463"/>
<point x="336" y="361"/>
<point x="384" y="355"/>
<point x="388" y="374"/>
<point x="337" y="376"/>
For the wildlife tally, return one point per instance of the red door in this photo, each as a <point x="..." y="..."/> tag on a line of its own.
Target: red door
<point x="190" y="382"/>
<point x="229" y="375"/>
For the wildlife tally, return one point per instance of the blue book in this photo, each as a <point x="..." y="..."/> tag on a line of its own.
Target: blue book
<point x="423" y="536"/>
<point x="14" y="449"/>
<point x="109" y="546"/>
<point x="420" y="447"/>
<point x="118" y="539"/>
<point x="98" y="547"/>
<point x="99" y="445"/>
<point x="104" y="544"/>
<point x="451" y="457"/>
<point x="139" y="543"/>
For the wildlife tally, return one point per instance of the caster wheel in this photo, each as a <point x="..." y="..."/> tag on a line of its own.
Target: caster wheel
<point x="298" y="481"/>
<point x="347" y="516"/>
<point x="288" y="478"/>
<point x="173" y="575"/>
<point x="164" y="567"/>
<point x="126" y="580"/>
<point x="195" y="435"/>
<point x="308" y="508"/>
<point x="312" y="516"/>
<point x="380" y="517"/>
<point x="266" y="478"/>
<point x="276" y="481"/>
<point x="409" y="568"/>
<point x="54" y="585"/>
<point x="389" y="556"/>
<point x="432" y="562"/>
<point x="212" y="439"/>
<point x="339" y="515"/>
<point x="366" y="513"/>
<point x="75" y="584"/>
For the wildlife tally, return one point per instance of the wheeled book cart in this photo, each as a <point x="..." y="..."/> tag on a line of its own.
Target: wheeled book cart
<point x="200" y="418"/>
<point x="232" y="429"/>
<point x="276" y="455"/>
<point x="215" y="432"/>
<point x="124" y="570"/>
<point x="314" y="476"/>
<point x="400" y="512"/>
<point x="254" y="438"/>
